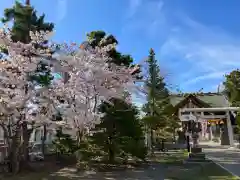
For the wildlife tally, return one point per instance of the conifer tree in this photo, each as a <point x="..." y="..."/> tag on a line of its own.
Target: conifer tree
<point x="25" y="19"/>
<point x="157" y="107"/>
<point x="120" y="130"/>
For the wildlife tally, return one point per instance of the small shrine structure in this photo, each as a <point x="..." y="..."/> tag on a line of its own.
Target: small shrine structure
<point x="211" y="111"/>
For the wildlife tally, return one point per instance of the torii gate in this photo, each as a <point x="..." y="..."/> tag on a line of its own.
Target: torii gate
<point x="196" y="113"/>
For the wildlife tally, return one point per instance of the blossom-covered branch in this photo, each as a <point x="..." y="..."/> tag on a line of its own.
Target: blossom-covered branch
<point x="89" y="79"/>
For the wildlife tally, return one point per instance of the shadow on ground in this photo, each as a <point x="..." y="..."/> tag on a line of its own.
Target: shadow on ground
<point x="151" y="172"/>
<point x="49" y="171"/>
<point x="162" y="166"/>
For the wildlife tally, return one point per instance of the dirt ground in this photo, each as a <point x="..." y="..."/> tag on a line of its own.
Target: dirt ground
<point x="152" y="172"/>
<point x="163" y="167"/>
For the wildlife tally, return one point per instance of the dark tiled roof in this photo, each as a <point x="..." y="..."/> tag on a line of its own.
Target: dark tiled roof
<point x="213" y="99"/>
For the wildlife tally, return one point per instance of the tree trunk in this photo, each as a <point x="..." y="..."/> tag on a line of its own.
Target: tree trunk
<point x="15" y="151"/>
<point x="152" y="149"/>
<point x="79" y="137"/>
<point x="111" y="152"/>
<point x="188" y="144"/>
<point x="6" y="135"/>
<point x="43" y="138"/>
<point x="25" y="146"/>
<point x="174" y="135"/>
<point x="111" y="155"/>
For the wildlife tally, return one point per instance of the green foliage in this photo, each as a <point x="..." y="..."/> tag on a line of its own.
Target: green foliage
<point x="121" y="115"/>
<point x="24" y="20"/>
<point x="237" y="128"/>
<point x="42" y="75"/>
<point x="159" y="111"/>
<point x="119" y="130"/>
<point x="64" y="144"/>
<point x="158" y="106"/>
<point x="232" y="87"/>
<point x="133" y="147"/>
<point x="232" y="90"/>
<point x="95" y="37"/>
<point x="158" y="95"/>
<point x="120" y="126"/>
<point x="154" y="122"/>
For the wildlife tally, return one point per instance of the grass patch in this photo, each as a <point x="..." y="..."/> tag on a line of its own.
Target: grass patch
<point x="168" y="158"/>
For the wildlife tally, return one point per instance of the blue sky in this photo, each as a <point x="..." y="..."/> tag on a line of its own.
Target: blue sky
<point x="196" y="41"/>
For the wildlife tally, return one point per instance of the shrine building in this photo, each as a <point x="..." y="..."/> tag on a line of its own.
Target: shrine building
<point x="212" y="129"/>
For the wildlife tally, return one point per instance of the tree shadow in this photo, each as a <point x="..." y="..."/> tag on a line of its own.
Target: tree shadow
<point x="151" y="172"/>
<point x="51" y="171"/>
<point x="164" y="166"/>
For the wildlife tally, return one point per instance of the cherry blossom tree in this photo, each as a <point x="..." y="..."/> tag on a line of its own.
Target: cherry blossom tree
<point x="92" y="80"/>
<point x="88" y="80"/>
<point x="16" y="94"/>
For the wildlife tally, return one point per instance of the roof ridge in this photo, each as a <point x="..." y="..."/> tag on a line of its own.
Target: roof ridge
<point x="197" y="94"/>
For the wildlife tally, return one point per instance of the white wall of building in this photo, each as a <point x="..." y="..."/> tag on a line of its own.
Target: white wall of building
<point x="50" y="135"/>
<point x="38" y="133"/>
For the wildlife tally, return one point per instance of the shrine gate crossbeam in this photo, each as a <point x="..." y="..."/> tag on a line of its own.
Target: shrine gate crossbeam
<point x="199" y="113"/>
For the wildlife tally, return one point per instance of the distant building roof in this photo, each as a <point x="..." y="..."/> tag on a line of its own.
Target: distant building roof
<point x="212" y="99"/>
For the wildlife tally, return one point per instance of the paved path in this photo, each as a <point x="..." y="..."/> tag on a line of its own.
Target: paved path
<point x="227" y="157"/>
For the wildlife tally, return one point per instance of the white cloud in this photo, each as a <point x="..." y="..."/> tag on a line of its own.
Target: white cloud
<point x="221" y="87"/>
<point x="195" y="54"/>
<point x="195" y="80"/>
<point x="217" y="88"/>
<point x="133" y="6"/>
<point x="209" y="52"/>
<point x="145" y="16"/>
<point x="61" y="10"/>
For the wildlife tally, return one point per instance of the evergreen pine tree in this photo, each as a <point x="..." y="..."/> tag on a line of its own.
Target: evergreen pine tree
<point x="120" y="130"/>
<point x="158" y="106"/>
<point x="25" y="20"/>
<point x="95" y="37"/>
